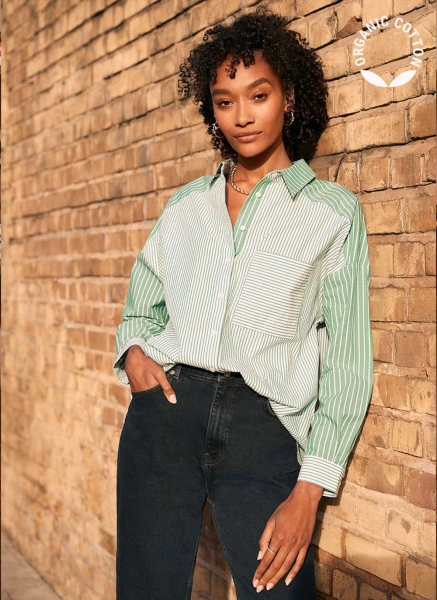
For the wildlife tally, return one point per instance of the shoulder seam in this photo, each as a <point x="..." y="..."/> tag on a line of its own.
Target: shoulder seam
<point x="328" y="192"/>
<point x="179" y="195"/>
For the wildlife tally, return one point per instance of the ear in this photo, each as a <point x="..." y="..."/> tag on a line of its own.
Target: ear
<point x="289" y="99"/>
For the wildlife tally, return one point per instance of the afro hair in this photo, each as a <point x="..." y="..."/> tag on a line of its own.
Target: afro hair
<point x="297" y="66"/>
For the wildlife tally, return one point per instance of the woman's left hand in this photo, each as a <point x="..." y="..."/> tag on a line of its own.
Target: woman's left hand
<point x="289" y="532"/>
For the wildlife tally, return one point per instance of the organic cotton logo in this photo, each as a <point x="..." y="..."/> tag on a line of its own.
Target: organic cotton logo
<point x="360" y="42"/>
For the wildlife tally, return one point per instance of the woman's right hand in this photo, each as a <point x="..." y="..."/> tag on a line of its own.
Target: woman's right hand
<point x="144" y="373"/>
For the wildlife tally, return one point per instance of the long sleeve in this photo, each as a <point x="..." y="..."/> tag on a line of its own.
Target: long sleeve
<point x="145" y="312"/>
<point x="346" y="378"/>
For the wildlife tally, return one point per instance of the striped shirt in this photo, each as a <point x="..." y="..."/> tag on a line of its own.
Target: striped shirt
<point x="281" y="297"/>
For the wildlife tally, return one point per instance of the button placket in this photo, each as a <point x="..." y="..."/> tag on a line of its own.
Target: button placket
<point x="244" y="208"/>
<point x="242" y="230"/>
<point x="255" y="211"/>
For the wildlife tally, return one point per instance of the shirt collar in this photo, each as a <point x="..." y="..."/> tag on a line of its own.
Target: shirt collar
<point x="296" y="176"/>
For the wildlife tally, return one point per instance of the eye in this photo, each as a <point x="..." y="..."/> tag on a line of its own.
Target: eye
<point x="225" y="103"/>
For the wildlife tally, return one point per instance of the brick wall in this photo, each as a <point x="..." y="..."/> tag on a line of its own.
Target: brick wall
<point x="93" y="146"/>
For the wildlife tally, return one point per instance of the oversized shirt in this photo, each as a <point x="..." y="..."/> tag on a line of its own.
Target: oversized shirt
<point x="281" y="297"/>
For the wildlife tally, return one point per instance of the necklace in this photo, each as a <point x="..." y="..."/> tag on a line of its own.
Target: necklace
<point x="234" y="166"/>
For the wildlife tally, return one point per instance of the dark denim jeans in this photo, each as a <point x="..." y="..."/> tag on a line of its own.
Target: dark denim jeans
<point x="222" y="443"/>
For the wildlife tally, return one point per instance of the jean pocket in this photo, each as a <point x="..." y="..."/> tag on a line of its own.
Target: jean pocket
<point x="272" y="294"/>
<point x="151" y="390"/>
<point x="148" y="391"/>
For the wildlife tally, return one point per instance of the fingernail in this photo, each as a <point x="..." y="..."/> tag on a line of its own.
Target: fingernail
<point x="255" y="583"/>
<point x="269" y="586"/>
<point x="288" y="581"/>
<point x="260" y="555"/>
<point x="260" y="588"/>
<point x="172" y="398"/>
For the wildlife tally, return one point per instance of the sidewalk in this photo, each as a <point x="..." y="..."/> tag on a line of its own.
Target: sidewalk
<point x="20" y="581"/>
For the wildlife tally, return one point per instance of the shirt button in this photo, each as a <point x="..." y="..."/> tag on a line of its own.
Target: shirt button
<point x="258" y="194"/>
<point x="228" y="259"/>
<point x="243" y="227"/>
<point x="274" y="174"/>
<point x="213" y="331"/>
<point x="220" y="295"/>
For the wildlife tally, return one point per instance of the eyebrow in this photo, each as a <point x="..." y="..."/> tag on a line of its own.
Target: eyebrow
<point x="259" y="81"/>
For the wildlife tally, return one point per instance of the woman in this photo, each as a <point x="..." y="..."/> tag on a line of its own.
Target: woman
<point x="247" y="305"/>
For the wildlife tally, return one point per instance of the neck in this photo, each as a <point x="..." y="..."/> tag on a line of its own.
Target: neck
<point x="251" y="169"/>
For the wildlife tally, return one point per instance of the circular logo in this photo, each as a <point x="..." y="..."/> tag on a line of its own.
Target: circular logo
<point x="383" y="23"/>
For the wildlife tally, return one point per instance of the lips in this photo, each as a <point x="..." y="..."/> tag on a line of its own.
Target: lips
<point x="248" y="137"/>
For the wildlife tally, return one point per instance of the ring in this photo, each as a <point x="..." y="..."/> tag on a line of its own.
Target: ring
<point x="270" y="550"/>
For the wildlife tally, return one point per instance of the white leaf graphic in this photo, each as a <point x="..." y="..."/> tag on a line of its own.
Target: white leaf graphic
<point x="373" y="78"/>
<point x="404" y="77"/>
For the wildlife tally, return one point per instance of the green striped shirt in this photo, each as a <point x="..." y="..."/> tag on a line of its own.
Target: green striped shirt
<point x="282" y="297"/>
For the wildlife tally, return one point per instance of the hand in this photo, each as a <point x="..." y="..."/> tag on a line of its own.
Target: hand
<point x="289" y="532"/>
<point x="144" y="373"/>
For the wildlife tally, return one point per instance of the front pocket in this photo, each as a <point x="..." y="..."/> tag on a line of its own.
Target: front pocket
<point x="272" y="294"/>
<point x="148" y="391"/>
<point x="155" y="388"/>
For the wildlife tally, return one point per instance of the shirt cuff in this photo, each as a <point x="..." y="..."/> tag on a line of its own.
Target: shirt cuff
<point x="322" y="472"/>
<point x="118" y="365"/>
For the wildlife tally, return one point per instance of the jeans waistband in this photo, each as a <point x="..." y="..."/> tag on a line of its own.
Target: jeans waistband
<point x="206" y="373"/>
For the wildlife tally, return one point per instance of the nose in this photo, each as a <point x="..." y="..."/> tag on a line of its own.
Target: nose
<point x="243" y="117"/>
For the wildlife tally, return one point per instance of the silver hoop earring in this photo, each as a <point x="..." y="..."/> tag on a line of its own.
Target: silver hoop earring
<point x="288" y="117"/>
<point x="215" y="127"/>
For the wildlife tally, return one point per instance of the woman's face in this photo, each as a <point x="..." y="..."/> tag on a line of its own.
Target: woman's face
<point x="251" y="102"/>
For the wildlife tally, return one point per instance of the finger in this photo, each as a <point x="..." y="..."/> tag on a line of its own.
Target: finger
<point x="266" y="556"/>
<point x="167" y="389"/>
<point x="265" y="538"/>
<point x="270" y="574"/>
<point x="266" y="562"/>
<point x="272" y="579"/>
<point x="297" y="565"/>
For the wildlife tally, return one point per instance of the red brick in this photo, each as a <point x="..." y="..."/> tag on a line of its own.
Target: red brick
<point x="420" y="488"/>
<point x="410" y="349"/>
<point x="422" y="120"/>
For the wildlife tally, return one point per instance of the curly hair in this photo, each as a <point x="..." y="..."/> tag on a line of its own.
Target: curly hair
<point x="287" y="53"/>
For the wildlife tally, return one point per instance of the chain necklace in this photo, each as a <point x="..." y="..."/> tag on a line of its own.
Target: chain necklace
<point x="234" y="166"/>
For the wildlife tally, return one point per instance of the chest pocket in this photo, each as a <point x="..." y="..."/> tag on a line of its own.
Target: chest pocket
<point x="272" y="294"/>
